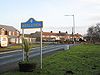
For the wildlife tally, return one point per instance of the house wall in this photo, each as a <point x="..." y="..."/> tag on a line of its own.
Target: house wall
<point x="32" y="40"/>
<point x="48" y="36"/>
<point x="12" y="36"/>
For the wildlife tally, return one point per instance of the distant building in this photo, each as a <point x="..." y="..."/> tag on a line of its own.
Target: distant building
<point x="10" y="33"/>
<point x="28" y="37"/>
<point x="61" y="36"/>
<point x="78" y="36"/>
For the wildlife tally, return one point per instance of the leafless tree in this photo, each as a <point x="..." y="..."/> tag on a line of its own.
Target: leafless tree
<point x="93" y="33"/>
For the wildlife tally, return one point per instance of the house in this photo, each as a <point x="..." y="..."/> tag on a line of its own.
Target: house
<point x="78" y="36"/>
<point x="47" y="36"/>
<point x="10" y="34"/>
<point x="51" y="36"/>
<point x="28" y="37"/>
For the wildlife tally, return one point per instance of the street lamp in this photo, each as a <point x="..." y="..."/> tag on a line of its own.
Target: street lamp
<point x="73" y="28"/>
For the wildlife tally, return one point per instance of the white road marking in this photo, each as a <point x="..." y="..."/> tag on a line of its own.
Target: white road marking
<point x="9" y="51"/>
<point x="12" y="51"/>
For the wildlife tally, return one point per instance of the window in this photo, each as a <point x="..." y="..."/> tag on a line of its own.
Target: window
<point x="17" y="33"/>
<point x="6" y="32"/>
<point x="13" y="33"/>
<point x="9" y="32"/>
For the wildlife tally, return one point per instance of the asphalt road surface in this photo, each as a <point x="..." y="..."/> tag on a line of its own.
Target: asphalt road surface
<point x="8" y="60"/>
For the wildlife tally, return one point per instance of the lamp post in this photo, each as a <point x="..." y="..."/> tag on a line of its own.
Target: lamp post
<point x="73" y="28"/>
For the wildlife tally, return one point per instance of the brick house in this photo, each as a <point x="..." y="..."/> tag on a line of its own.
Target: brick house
<point x="27" y="37"/>
<point x="61" y="36"/>
<point x="78" y="36"/>
<point x="11" y="33"/>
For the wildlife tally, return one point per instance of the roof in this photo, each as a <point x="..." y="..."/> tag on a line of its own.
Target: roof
<point x="8" y="28"/>
<point x="37" y="34"/>
<point x="54" y="34"/>
<point x="49" y="34"/>
<point x="26" y="35"/>
<point x="78" y="34"/>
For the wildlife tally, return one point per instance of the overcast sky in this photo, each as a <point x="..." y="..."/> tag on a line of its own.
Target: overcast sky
<point x="51" y="12"/>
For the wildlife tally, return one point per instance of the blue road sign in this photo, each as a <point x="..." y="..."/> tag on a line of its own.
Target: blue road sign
<point x="31" y="23"/>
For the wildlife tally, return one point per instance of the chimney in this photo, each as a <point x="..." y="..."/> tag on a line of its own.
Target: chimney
<point x="59" y="31"/>
<point x="51" y="31"/>
<point x="66" y="32"/>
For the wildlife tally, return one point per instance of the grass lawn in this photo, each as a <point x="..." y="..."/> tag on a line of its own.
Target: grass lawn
<point x="79" y="60"/>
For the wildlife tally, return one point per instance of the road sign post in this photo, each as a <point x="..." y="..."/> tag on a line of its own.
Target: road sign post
<point x="31" y="23"/>
<point x="41" y="46"/>
<point x="23" y="49"/>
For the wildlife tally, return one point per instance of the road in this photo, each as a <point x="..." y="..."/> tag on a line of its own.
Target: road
<point x="12" y="57"/>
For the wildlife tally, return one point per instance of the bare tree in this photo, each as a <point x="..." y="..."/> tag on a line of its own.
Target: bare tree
<point x="93" y="33"/>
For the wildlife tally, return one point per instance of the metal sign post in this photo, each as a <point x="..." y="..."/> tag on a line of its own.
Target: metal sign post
<point x="23" y="37"/>
<point x="31" y="23"/>
<point x="41" y="47"/>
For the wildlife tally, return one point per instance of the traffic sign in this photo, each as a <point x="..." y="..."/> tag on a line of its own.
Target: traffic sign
<point x="32" y="23"/>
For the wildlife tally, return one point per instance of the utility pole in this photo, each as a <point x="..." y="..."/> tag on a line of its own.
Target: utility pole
<point x="73" y="28"/>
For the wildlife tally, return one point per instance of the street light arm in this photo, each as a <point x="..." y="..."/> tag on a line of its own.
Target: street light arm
<point x="68" y="15"/>
<point x="73" y="29"/>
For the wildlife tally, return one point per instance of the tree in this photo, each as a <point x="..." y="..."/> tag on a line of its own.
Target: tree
<point x="97" y="30"/>
<point x="26" y="46"/>
<point x="93" y="33"/>
<point x="90" y="33"/>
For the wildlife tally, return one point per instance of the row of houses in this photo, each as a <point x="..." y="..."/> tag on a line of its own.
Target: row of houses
<point x="60" y="36"/>
<point x="10" y="35"/>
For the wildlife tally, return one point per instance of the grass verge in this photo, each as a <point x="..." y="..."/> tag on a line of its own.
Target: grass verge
<point x="18" y="46"/>
<point x="79" y="60"/>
